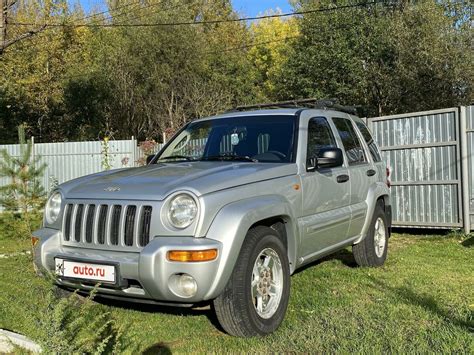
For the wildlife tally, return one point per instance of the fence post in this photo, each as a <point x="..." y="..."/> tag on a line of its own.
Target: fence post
<point x="33" y="153"/>
<point x="465" y="171"/>
<point x="134" y="152"/>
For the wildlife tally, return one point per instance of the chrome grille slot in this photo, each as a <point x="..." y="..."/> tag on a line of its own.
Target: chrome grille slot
<point x="145" y="222"/>
<point x="115" y="224"/>
<point x="90" y="223"/>
<point x="107" y="225"/>
<point x="102" y="224"/>
<point x="67" y="224"/>
<point x="78" y="222"/>
<point x="130" y="224"/>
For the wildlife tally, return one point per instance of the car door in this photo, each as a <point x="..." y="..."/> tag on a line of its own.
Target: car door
<point x="326" y="197"/>
<point x="360" y="172"/>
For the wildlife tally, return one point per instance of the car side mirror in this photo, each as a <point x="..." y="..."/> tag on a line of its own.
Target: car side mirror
<point x="149" y="159"/>
<point x="327" y="158"/>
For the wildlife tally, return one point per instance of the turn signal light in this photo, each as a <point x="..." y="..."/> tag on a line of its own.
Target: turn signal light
<point x="192" y="255"/>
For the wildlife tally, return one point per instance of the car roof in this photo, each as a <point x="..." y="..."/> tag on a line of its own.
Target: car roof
<point x="269" y="112"/>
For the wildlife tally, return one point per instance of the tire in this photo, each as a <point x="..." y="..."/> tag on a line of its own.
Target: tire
<point x="262" y="261"/>
<point x="372" y="251"/>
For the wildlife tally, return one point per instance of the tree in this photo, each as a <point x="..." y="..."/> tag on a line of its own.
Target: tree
<point x="389" y="58"/>
<point x="21" y="32"/>
<point x="23" y="195"/>
<point x="272" y="38"/>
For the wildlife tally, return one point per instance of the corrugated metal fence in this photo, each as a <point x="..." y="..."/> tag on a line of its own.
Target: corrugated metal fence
<point x="468" y="113"/>
<point x="69" y="160"/>
<point x="431" y="155"/>
<point x="429" y="158"/>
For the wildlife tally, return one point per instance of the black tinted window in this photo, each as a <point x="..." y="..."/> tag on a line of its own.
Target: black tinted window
<point x="374" y="151"/>
<point x="354" y="151"/>
<point x="319" y="136"/>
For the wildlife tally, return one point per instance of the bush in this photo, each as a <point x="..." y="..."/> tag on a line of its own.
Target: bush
<point x="69" y="324"/>
<point x="75" y="324"/>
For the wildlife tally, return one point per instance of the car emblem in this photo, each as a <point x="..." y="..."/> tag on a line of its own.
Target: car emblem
<point x="112" y="189"/>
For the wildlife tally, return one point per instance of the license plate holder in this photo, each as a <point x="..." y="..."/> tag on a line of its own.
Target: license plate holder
<point x="81" y="270"/>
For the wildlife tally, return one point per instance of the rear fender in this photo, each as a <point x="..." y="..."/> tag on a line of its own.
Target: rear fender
<point x="376" y="191"/>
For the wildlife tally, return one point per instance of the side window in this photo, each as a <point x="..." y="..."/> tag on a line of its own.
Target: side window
<point x="319" y="136"/>
<point x="374" y="150"/>
<point x="354" y="151"/>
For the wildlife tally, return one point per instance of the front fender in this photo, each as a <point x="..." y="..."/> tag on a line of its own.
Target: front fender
<point x="230" y="227"/>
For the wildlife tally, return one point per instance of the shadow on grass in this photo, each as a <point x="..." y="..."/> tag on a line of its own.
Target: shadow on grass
<point x="468" y="243"/>
<point x="159" y="348"/>
<point x="422" y="231"/>
<point x="428" y="303"/>
<point x="344" y="256"/>
<point x="202" y="309"/>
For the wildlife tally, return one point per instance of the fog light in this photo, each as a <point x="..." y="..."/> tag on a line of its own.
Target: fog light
<point x="183" y="285"/>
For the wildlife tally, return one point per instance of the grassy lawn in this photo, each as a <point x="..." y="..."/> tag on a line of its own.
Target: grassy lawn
<point x="422" y="300"/>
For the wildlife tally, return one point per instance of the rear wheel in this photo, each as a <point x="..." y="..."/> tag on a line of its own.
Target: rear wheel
<point x="372" y="251"/>
<point x="255" y="299"/>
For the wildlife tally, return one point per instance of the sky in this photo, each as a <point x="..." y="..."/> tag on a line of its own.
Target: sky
<point x="243" y="7"/>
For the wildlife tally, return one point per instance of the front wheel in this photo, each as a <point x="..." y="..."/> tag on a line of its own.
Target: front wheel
<point x="255" y="299"/>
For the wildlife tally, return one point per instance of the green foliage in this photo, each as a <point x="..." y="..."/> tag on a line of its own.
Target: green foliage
<point x="275" y="37"/>
<point x="74" y="83"/>
<point x="392" y="57"/>
<point x="23" y="196"/>
<point x="75" y="324"/>
<point x="16" y="226"/>
<point x="106" y="157"/>
<point x="63" y="322"/>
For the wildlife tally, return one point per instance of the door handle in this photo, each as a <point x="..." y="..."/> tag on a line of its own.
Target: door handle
<point x="371" y="172"/>
<point x="342" y="178"/>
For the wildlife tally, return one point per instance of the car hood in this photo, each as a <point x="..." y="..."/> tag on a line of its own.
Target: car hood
<point x="155" y="182"/>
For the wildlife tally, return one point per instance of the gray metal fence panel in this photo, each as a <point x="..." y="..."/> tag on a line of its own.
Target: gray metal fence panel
<point x="423" y="152"/>
<point x="469" y="112"/>
<point x="70" y="160"/>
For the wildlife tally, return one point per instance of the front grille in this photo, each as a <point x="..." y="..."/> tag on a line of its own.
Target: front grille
<point x="115" y="224"/>
<point x="102" y="224"/>
<point x="78" y="222"/>
<point x="107" y="224"/>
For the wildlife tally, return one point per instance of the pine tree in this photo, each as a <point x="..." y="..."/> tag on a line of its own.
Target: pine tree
<point x="23" y="196"/>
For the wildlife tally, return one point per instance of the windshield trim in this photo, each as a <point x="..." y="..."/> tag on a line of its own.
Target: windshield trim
<point x="160" y="152"/>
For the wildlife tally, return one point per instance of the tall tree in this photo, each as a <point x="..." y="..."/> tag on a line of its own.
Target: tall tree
<point x="391" y="57"/>
<point x="11" y="34"/>
<point x="270" y="49"/>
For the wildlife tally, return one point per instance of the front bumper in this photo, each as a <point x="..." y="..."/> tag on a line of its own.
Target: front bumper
<point x="142" y="276"/>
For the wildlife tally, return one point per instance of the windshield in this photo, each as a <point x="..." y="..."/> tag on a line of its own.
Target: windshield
<point x="266" y="139"/>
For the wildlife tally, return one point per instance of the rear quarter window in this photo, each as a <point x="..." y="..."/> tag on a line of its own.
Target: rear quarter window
<point x="374" y="150"/>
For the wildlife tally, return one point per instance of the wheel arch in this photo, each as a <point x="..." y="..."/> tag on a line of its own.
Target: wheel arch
<point x="377" y="192"/>
<point x="232" y="222"/>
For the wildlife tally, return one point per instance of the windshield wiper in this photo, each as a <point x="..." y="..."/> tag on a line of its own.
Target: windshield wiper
<point x="176" y="157"/>
<point x="230" y="157"/>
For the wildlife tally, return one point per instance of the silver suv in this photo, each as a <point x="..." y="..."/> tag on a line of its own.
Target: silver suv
<point x="224" y="213"/>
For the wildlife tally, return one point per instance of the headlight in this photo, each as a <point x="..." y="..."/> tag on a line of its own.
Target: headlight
<point x="53" y="208"/>
<point x="182" y="211"/>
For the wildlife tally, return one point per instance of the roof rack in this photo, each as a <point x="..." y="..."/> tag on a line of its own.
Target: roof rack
<point x="308" y="103"/>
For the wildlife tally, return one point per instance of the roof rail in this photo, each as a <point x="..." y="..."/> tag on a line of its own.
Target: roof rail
<point x="308" y="103"/>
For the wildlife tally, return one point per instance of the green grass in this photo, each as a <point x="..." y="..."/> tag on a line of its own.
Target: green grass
<point x="421" y="301"/>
